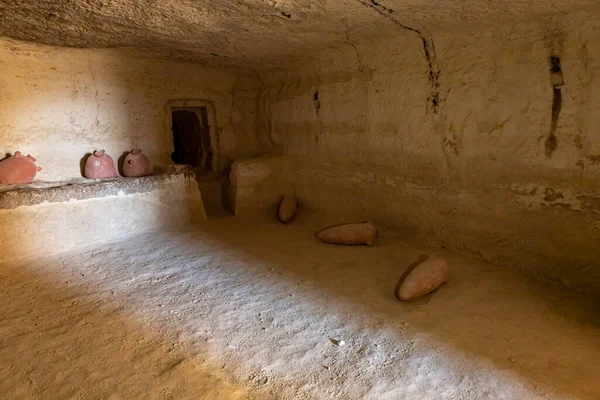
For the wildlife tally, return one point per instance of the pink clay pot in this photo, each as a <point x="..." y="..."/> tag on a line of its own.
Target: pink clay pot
<point x="99" y="166"/>
<point x="136" y="164"/>
<point x="18" y="169"/>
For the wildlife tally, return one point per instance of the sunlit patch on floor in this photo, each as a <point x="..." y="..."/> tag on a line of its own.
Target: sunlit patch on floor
<point x="246" y="309"/>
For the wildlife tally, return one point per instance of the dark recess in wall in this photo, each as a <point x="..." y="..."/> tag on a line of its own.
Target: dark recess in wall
<point x="191" y="138"/>
<point x="556" y="79"/>
<point x="316" y="101"/>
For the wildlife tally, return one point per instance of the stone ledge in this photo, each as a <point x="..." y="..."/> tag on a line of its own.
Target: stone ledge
<point x="44" y="218"/>
<point x="55" y="192"/>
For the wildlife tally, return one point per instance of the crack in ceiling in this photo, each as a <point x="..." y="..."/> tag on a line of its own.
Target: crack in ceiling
<point x="258" y="34"/>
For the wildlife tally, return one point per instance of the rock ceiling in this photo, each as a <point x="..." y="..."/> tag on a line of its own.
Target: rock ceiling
<point x="252" y="33"/>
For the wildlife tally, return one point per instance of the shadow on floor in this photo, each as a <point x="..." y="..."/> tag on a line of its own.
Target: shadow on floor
<point x="263" y="301"/>
<point x="541" y="333"/>
<point x="65" y="340"/>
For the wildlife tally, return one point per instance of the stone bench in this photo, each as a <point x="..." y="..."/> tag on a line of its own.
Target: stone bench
<point x="42" y="218"/>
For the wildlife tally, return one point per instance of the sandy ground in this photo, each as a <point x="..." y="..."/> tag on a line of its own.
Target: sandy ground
<point x="246" y="309"/>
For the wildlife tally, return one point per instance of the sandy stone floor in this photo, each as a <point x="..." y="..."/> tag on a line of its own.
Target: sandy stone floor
<point x="246" y="309"/>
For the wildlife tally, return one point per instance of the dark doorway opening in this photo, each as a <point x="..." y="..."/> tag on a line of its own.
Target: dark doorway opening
<point x="191" y="138"/>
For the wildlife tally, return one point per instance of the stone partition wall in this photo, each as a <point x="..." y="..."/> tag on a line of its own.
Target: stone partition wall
<point x="60" y="103"/>
<point x="42" y="219"/>
<point x="456" y="147"/>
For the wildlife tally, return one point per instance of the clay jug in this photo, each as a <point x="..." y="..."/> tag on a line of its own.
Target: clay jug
<point x="18" y="169"/>
<point x="99" y="166"/>
<point x="136" y="164"/>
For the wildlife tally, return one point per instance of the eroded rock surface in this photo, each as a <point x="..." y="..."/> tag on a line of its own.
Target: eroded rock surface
<point x="248" y="32"/>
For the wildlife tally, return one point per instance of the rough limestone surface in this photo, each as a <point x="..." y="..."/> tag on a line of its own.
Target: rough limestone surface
<point x="440" y="120"/>
<point x="361" y="134"/>
<point x="253" y="185"/>
<point x="262" y="33"/>
<point x="61" y="103"/>
<point x="246" y="309"/>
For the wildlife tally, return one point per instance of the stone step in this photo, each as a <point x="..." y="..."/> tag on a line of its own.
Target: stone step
<point x="213" y="189"/>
